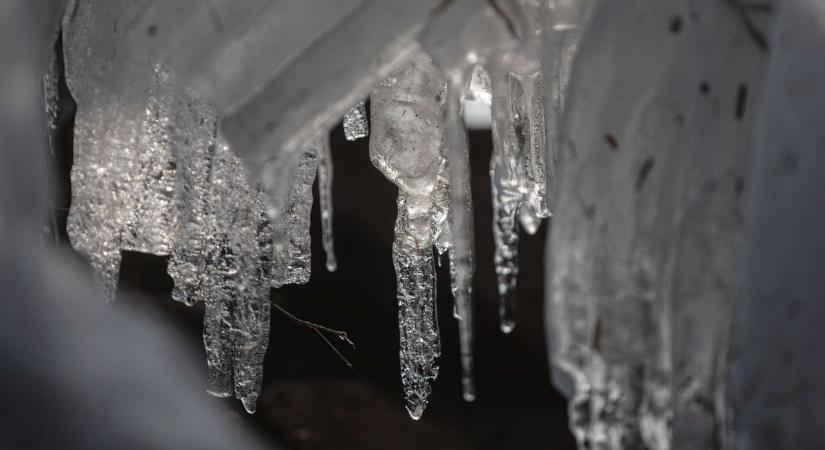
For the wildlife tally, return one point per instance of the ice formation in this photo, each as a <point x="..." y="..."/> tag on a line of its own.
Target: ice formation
<point x="645" y="243"/>
<point x="405" y="145"/>
<point x="325" y="199"/>
<point x="630" y="99"/>
<point x="355" y="122"/>
<point x="161" y="179"/>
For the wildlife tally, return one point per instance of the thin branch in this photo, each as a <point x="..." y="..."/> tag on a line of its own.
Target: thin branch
<point x="320" y="329"/>
<point x="333" y="348"/>
<point x="340" y="334"/>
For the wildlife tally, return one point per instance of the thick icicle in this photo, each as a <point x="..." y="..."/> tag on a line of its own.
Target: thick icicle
<point x="405" y="145"/>
<point x="106" y="93"/>
<point x="356" y="125"/>
<point x="150" y="197"/>
<point x="325" y="194"/>
<point x="189" y="261"/>
<point x="236" y="319"/>
<point x="291" y="244"/>
<point x="151" y="175"/>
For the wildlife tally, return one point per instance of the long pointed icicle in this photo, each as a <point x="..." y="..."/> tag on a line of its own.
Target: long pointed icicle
<point x="325" y="193"/>
<point x="509" y="139"/>
<point x="456" y="153"/>
<point x="518" y="172"/>
<point x="407" y="112"/>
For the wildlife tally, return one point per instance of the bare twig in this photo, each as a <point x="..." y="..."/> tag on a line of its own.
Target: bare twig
<point x="333" y="348"/>
<point x="320" y="329"/>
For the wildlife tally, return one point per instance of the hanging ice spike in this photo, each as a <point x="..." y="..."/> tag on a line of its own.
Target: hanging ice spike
<point x="405" y="146"/>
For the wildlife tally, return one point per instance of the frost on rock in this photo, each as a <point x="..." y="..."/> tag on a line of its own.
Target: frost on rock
<point x="405" y="145"/>
<point x="643" y="251"/>
<point x="356" y="125"/>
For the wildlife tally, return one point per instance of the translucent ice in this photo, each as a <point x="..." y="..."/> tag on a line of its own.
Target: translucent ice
<point x="356" y="125"/>
<point x="405" y="145"/>
<point x="455" y="152"/>
<point x="646" y="236"/>
<point x="518" y="176"/>
<point x="290" y="219"/>
<point x="325" y="197"/>
<point x="150" y="174"/>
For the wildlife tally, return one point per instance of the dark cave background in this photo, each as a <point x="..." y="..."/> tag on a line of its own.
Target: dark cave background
<point x="311" y="399"/>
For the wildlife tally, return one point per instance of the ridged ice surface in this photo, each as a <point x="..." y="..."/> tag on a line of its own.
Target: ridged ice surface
<point x="512" y="83"/>
<point x="646" y="236"/>
<point x="236" y="318"/>
<point x="405" y="145"/>
<point x="152" y="174"/>
<point x="291" y="243"/>
<point x="649" y="123"/>
<point x="356" y="125"/>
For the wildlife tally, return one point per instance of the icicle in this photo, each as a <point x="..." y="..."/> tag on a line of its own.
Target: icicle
<point x="150" y="175"/>
<point x="518" y="176"/>
<point x="405" y="146"/>
<point x="461" y="226"/>
<point x="509" y="140"/>
<point x="355" y="122"/>
<point x="534" y="206"/>
<point x="291" y="247"/>
<point x="189" y="261"/>
<point x="325" y="193"/>
<point x="442" y="237"/>
<point x="417" y="315"/>
<point x="236" y="320"/>
<point x="101" y="169"/>
<point x="150" y="196"/>
<point x="221" y="256"/>
<point x="480" y="88"/>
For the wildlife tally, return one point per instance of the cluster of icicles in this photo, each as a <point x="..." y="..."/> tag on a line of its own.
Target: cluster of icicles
<point x="651" y="127"/>
<point x="164" y="181"/>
